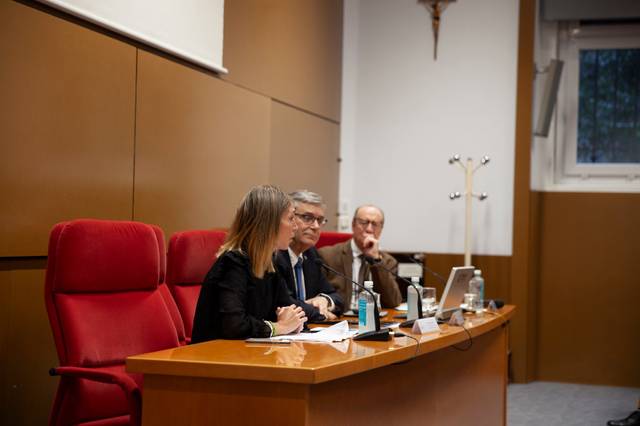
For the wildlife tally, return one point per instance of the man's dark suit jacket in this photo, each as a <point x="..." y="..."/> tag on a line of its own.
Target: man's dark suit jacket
<point x="314" y="280"/>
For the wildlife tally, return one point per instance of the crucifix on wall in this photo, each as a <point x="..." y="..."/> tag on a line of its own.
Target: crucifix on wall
<point x="435" y="7"/>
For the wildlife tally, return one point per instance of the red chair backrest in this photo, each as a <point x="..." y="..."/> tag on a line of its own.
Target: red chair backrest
<point x="164" y="288"/>
<point x="331" y="238"/>
<point x="190" y="256"/>
<point x="103" y="303"/>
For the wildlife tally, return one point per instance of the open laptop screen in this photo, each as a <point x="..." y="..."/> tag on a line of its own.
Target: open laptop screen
<point x="457" y="286"/>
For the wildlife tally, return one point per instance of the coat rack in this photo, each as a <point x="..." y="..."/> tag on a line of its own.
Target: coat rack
<point x="469" y="170"/>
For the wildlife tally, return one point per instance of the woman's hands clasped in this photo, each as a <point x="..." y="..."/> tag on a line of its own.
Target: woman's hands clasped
<point x="291" y="319"/>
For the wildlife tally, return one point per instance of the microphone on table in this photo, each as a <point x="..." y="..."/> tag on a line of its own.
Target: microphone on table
<point x="371" y="261"/>
<point x="377" y="334"/>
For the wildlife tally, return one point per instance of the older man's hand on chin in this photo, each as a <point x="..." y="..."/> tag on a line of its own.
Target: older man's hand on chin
<point x="371" y="246"/>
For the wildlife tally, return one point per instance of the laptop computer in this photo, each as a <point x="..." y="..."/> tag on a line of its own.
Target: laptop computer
<point x="453" y="295"/>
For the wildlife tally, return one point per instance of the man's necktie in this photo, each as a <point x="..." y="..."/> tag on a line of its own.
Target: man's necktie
<point x="298" y="270"/>
<point x="363" y="273"/>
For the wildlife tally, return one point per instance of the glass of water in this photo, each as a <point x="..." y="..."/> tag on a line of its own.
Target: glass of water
<point x="429" y="298"/>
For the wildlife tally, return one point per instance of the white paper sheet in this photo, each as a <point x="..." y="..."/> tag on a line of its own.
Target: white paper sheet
<point x="336" y="333"/>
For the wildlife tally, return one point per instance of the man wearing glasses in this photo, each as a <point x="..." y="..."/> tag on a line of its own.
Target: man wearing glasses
<point x="358" y="258"/>
<point x="307" y="285"/>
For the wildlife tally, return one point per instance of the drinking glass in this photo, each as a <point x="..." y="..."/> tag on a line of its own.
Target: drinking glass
<point x="429" y="298"/>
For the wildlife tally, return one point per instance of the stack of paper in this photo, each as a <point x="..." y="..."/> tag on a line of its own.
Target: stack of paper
<point x="336" y="333"/>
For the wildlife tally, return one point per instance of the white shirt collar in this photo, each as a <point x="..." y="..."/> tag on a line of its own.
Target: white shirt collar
<point x="354" y="248"/>
<point x="294" y="257"/>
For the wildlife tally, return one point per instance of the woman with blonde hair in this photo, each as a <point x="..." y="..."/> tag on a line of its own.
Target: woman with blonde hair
<point x="242" y="295"/>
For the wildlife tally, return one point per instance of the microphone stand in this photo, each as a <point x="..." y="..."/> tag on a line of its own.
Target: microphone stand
<point x="377" y="334"/>
<point x="371" y="261"/>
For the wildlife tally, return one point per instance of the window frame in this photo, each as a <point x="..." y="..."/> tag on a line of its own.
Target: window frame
<point x="571" y="39"/>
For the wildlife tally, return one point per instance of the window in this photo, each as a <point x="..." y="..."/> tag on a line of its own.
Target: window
<point x="609" y="106"/>
<point x="598" y="131"/>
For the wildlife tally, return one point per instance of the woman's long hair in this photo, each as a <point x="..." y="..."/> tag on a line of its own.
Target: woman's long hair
<point x="255" y="227"/>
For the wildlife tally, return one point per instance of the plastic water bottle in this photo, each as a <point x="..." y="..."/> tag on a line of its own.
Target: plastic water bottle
<point x="366" y="320"/>
<point x="476" y="286"/>
<point x="413" y="298"/>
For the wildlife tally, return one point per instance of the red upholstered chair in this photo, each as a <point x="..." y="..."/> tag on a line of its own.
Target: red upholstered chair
<point x="332" y="238"/>
<point x="190" y="256"/>
<point x="164" y="288"/>
<point x="103" y="302"/>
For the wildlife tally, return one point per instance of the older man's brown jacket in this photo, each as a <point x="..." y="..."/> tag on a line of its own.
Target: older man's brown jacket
<point x="340" y="258"/>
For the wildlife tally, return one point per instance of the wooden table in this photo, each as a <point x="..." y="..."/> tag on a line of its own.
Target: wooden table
<point x="443" y="380"/>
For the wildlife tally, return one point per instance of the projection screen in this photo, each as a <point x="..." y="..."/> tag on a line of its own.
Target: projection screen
<point x="189" y="29"/>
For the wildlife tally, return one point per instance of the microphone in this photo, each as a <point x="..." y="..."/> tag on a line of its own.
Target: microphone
<point x="371" y="261"/>
<point x="378" y="334"/>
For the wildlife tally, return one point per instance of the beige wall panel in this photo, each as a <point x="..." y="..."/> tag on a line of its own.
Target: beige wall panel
<point x="201" y="143"/>
<point x="66" y="124"/>
<point x="289" y="50"/>
<point x="589" y="288"/>
<point x="28" y="390"/>
<point x="304" y="155"/>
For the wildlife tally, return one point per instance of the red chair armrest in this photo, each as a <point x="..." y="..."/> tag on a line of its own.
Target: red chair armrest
<point x="126" y="383"/>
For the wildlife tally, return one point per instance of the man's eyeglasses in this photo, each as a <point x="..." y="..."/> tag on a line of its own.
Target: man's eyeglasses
<point x="308" y="219"/>
<point x="364" y="223"/>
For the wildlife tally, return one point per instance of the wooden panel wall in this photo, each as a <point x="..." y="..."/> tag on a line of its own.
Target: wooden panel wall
<point x="26" y="345"/>
<point x="589" y="328"/>
<point x="71" y="123"/>
<point x="523" y="286"/>
<point x="286" y="49"/>
<point x="95" y="125"/>
<point x="496" y="271"/>
<point x="196" y="155"/>
<point x="66" y="124"/>
<point x="304" y="155"/>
